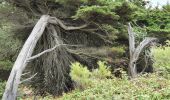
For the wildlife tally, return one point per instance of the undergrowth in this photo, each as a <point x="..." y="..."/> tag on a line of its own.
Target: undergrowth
<point x="100" y="84"/>
<point x="101" y="87"/>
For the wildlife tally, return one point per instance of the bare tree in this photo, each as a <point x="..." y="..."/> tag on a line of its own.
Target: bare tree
<point x="135" y="52"/>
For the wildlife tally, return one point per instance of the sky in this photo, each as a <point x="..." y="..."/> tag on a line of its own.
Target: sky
<point x="158" y="2"/>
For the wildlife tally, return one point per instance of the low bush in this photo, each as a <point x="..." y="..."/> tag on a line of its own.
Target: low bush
<point x="161" y="57"/>
<point x="80" y="74"/>
<point x="102" y="72"/>
<point x="145" y="87"/>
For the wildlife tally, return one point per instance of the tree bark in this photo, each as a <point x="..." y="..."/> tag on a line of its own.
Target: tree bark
<point x="132" y="65"/>
<point x="21" y="62"/>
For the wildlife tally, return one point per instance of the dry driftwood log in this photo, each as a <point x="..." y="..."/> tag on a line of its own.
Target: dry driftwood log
<point x="26" y="52"/>
<point x="135" y="52"/>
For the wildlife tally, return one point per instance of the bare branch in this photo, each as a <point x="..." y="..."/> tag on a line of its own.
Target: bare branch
<point x="54" y="20"/>
<point x="25" y="73"/>
<point x="140" y="47"/>
<point x="28" y="79"/>
<point x="46" y="51"/>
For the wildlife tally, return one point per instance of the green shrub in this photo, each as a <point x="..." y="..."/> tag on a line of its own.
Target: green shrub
<point x="84" y="78"/>
<point x="80" y="74"/>
<point x="102" y="72"/>
<point x="161" y="57"/>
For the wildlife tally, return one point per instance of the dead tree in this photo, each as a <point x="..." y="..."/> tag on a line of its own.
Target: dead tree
<point x="26" y="52"/>
<point x="135" y="52"/>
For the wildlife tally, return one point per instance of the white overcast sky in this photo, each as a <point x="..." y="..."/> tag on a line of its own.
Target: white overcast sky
<point x="158" y="2"/>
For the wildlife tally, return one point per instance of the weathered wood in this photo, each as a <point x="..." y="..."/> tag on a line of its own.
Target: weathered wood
<point x="21" y="62"/>
<point x="132" y="66"/>
<point x="135" y="52"/>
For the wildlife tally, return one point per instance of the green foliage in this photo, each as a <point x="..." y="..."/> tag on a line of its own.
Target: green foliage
<point x="90" y="12"/>
<point x="140" y="33"/>
<point x="112" y="16"/>
<point x="5" y="7"/>
<point x="107" y="10"/>
<point x="110" y="30"/>
<point x="161" y="57"/>
<point x="156" y="22"/>
<point x="2" y="88"/>
<point x="102" y="72"/>
<point x="118" y="51"/>
<point x="8" y="46"/>
<point x="166" y="8"/>
<point x="83" y="77"/>
<point x="146" y="87"/>
<point x="5" y="65"/>
<point x="80" y="74"/>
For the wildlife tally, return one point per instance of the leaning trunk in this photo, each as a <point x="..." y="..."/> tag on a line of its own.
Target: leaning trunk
<point x="21" y="62"/>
